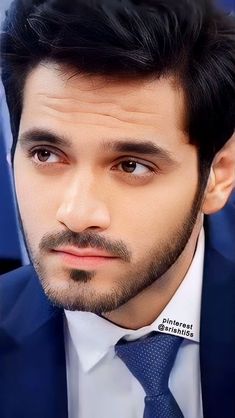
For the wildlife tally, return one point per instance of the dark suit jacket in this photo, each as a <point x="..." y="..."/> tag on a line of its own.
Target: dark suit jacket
<point x="32" y="356"/>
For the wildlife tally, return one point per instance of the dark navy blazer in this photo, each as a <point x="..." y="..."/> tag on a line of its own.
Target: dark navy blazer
<point x="32" y="355"/>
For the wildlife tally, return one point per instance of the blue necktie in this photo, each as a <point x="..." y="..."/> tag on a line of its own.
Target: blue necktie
<point x="150" y="360"/>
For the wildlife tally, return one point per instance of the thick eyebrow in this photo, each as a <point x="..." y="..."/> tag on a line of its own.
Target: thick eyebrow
<point x="136" y="146"/>
<point x="129" y="145"/>
<point x="33" y="136"/>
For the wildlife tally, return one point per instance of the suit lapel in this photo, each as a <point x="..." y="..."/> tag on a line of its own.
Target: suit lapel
<point x="33" y="368"/>
<point x="217" y="347"/>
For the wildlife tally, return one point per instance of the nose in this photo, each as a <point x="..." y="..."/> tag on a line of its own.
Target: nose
<point x="83" y="207"/>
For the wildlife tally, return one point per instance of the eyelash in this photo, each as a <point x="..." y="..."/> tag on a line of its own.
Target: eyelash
<point x="31" y="154"/>
<point x="152" y="170"/>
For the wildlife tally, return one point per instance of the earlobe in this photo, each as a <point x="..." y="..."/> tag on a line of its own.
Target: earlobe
<point x="221" y="180"/>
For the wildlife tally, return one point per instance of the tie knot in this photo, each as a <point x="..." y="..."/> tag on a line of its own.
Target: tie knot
<point x="150" y="360"/>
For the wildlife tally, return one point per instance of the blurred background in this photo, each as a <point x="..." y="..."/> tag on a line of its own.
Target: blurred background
<point x="12" y="250"/>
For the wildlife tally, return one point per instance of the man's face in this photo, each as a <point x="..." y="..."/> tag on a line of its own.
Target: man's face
<point x="106" y="184"/>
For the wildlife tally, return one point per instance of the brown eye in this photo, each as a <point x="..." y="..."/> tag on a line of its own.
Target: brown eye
<point x="134" y="167"/>
<point x="43" y="155"/>
<point x="129" y="166"/>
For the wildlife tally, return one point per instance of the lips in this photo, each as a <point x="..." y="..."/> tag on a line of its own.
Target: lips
<point x="83" y="258"/>
<point x="83" y="252"/>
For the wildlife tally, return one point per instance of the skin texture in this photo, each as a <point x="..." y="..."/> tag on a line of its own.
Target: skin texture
<point x="89" y="195"/>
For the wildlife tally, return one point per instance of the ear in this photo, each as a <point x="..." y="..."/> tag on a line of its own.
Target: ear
<point x="221" y="179"/>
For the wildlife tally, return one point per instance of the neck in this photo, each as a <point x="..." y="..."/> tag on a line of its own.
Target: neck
<point x="143" y="309"/>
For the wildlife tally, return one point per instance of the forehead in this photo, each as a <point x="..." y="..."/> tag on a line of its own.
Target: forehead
<point x="60" y="98"/>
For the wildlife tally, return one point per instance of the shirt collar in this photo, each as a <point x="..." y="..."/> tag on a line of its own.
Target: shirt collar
<point x="93" y="337"/>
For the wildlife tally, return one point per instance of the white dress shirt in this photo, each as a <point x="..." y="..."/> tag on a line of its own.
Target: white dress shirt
<point x="99" y="383"/>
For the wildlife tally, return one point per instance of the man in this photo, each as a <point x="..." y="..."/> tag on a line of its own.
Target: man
<point x="122" y="114"/>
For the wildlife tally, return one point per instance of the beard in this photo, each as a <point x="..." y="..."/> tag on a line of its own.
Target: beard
<point x="81" y="291"/>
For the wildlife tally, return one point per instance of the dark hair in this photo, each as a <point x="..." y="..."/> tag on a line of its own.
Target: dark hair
<point x="189" y="39"/>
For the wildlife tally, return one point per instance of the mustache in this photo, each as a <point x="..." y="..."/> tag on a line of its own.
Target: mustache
<point x="84" y="240"/>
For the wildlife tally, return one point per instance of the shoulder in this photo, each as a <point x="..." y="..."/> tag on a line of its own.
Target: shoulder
<point x="12" y="284"/>
<point x="17" y="278"/>
<point x="220" y="230"/>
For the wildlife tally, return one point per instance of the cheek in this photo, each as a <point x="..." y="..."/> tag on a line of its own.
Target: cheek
<point x="155" y="214"/>
<point x="35" y="200"/>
